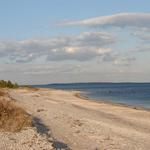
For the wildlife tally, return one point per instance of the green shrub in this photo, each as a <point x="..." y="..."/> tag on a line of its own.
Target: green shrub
<point x="8" y="84"/>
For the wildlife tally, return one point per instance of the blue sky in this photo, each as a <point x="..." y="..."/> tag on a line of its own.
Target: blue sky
<point x="30" y="18"/>
<point x="60" y="41"/>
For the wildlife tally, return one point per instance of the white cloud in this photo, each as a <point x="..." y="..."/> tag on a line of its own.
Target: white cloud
<point x="142" y="48"/>
<point x="119" y="59"/>
<point x="81" y="47"/>
<point x="142" y="33"/>
<point x="124" y="61"/>
<point x="117" y="20"/>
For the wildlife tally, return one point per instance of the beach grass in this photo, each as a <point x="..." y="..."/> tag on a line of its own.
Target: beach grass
<point x="12" y="117"/>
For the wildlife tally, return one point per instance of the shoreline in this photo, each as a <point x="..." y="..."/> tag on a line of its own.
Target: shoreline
<point x="78" y="94"/>
<point x="82" y="123"/>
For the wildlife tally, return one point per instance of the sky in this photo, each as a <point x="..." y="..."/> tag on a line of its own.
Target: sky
<point x="62" y="41"/>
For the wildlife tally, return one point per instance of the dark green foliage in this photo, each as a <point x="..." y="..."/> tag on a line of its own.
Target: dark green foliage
<point x="8" y="84"/>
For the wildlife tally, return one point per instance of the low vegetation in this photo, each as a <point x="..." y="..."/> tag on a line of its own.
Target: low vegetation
<point x="2" y="93"/>
<point x="8" y="84"/>
<point x="12" y="117"/>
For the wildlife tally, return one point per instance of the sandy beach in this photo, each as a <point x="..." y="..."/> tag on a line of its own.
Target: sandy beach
<point x="79" y="124"/>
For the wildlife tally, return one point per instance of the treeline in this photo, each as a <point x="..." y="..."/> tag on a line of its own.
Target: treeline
<point x="8" y="84"/>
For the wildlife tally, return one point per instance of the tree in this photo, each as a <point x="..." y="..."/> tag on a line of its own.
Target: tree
<point x="8" y="84"/>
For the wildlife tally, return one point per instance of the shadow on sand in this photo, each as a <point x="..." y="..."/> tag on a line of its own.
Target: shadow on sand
<point x="43" y="130"/>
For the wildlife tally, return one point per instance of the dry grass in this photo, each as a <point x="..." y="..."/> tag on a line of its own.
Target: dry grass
<point x="2" y="93"/>
<point x="12" y="117"/>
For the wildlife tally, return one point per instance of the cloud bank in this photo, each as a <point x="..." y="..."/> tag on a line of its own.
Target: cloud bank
<point x="80" y="47"/>
<point x="94" y="54"/>
<point x="117" y="20"/>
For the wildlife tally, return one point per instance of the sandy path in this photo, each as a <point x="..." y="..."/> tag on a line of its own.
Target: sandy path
<point x="86" y="125"/>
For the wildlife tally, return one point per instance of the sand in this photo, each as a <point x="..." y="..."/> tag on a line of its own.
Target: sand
<point x="79" y="124"/>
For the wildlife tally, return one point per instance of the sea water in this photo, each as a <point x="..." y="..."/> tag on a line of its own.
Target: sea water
<point x="134" y="94"/>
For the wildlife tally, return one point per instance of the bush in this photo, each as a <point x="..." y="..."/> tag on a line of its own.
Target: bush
<point x="12" y="117"/>
<point x="8" y="84"/>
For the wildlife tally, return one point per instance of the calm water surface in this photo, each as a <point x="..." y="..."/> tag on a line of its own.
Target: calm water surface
<point x="135" y="94"/>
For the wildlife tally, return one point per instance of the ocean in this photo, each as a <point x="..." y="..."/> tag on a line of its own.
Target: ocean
<point x="134" y="94"/>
